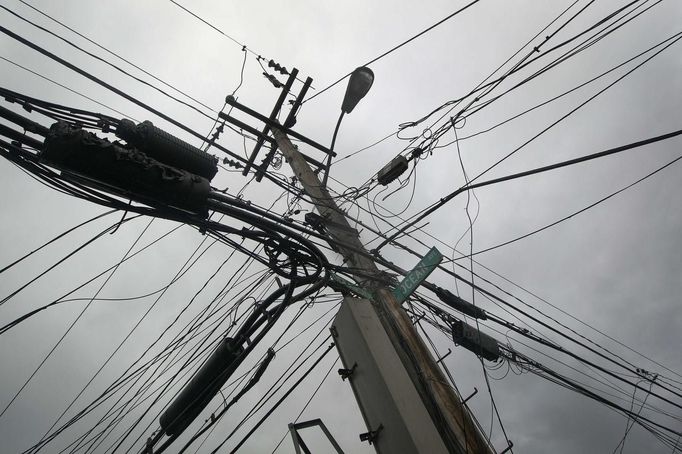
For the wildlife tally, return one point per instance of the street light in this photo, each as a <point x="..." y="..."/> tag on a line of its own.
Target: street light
<point x="358" y="85"/>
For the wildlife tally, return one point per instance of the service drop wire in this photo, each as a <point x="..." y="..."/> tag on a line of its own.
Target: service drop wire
<point x="61" y="235"/>
<point x="558" y="165"/>
<point x="66" y="257"/>
<point x="175" y="342"/>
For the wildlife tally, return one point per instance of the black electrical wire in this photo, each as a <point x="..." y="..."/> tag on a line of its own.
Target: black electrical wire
<point x="282" y="379"/>
<point x="524" y="62"/>
<point x="469" y="186"/>
<point x="509" y="294"/>
<point x="132" y="330"/>
<point x="110" y="52"/>
<point x="68" y="330"/>
<point x="276" y="312"/>
<point x="108" y="63"/>
<point x="287" y="292"/>
<point x="458" y="277"/>
<point x="128" y="97"/>
<point x="186" y="364"/>
<point x="483" y="85"/>
<point x="129" y="257"/>
<point x="186" y="265"/>
<point x="76" y="92"/>
<point x="61" y="235"/>
<point x="549" y="344"/>
<point x="264" y="399"/>
<point x="582" y="210"/>
<point x="514" y="357"/>
<point x="243" y="46"/>
<point x="565" y="93"/>
<point x="64" y="259"/>
<point x="393" y="49"/>
<point x="279" y="402"/>
<point x="222" y="125"/>
<point x="569" y="54"/>
<point x="196" y="323"/>
<point x="593" y="395"/>
<point x="310" y="399"/>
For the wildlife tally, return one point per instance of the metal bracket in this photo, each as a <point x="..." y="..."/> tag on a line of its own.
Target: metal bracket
<point x="508" y="448"/>
<point x="445" y="356"/>
<point x="298" y="441"/>
<point x="470" y="395"/>
<point x="372" y="435"/>
<point x="347" y="373"/>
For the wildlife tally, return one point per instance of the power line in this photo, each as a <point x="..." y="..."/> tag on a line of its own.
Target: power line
<point x="582" y="210"/>
<point x="470" y="185"/>
<point x="243" y="46"/>
<point x="393" y="49"/>
<point x="279" y="402"/>
<point x="108" y="63"/>
<point x="110" y="52"/>
<point x="68" y="330"/>
<point x="35" y="73"/>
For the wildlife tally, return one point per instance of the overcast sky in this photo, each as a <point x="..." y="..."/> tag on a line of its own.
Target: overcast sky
<point x="616" y="267"/>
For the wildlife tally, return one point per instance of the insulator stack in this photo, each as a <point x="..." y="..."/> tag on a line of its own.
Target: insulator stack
<point x="202" y="388"/>
<point x="158" y="144"/>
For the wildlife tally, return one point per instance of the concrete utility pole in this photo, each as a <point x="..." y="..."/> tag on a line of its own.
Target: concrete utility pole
<point x="448" y="414"/>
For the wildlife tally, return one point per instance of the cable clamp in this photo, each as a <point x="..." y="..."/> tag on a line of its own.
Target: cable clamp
<point x="372" y="435"/>
<point x="347" y="373"/>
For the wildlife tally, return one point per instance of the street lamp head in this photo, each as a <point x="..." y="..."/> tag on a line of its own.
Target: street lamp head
<point x="358" y="85"/>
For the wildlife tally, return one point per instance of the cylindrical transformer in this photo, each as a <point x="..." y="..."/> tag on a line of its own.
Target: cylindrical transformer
<point x="158" y="144"/>
<point x="202" y="388"/>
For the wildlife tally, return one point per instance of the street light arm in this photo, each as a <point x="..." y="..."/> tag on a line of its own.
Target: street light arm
<point x="331" y="149"/>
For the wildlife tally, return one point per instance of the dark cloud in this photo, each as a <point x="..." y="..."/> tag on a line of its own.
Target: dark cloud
<point x="615" y="267"/>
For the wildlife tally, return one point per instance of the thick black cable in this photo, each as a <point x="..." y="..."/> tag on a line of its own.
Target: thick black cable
<point x="128" y="97"/>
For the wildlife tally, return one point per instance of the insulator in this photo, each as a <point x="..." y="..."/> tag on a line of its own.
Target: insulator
<point x="203" y="386"/>
<point x="273" y="80"/>
<point x="126" y="172"/>
<point x="164" y="147"/>
<point x="278" y="67"/>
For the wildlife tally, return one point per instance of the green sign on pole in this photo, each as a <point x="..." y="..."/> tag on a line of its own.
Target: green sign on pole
<point x="415" y="277"/>
<point x="350" y="286"/>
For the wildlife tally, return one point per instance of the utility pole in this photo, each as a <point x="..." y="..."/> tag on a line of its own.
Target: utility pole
<point x="450" y="416"/>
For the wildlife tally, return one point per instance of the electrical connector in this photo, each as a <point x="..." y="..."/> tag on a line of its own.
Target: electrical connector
<point x="392" y="170"/>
